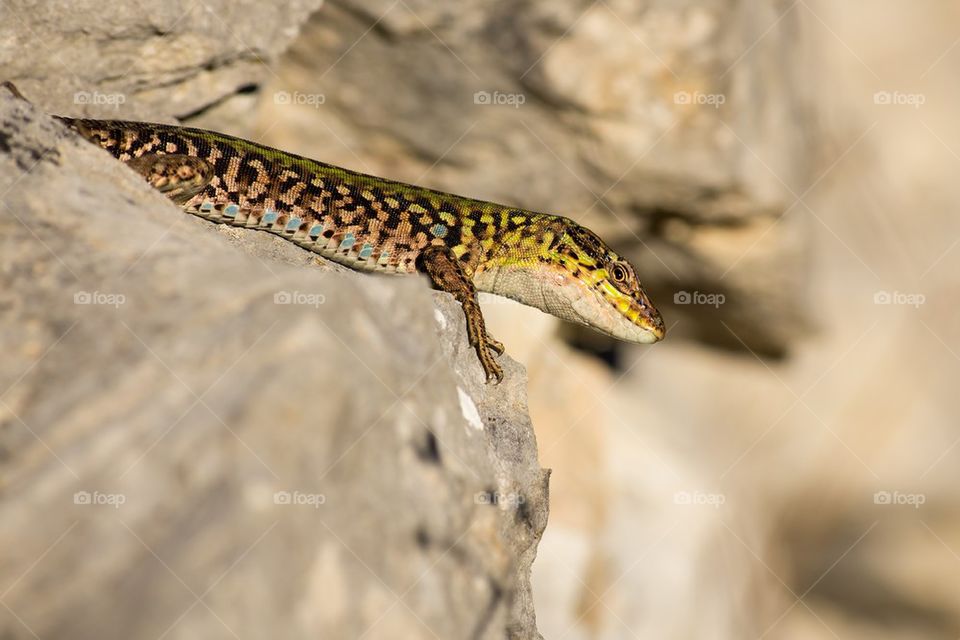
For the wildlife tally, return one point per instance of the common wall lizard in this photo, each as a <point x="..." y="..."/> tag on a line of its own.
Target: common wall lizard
<point x="373" y="224"/>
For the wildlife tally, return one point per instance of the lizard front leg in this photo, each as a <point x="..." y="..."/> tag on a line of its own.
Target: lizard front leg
<point x="447" y="274"/>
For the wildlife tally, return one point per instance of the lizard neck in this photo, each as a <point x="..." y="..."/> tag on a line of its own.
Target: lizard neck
<point x="516" y="264"/>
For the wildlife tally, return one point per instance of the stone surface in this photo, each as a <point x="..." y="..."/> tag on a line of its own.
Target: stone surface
<point x="808" y="455"/>
<point x="646" y="121"/>
<point x="142" y="60"/>
<point x="694" y="493"/>
<point x="206" y="440"/>
<point x="800" y="199"/>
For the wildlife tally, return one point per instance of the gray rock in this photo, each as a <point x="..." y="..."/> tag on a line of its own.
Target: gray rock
<point x="206" y="440"/>
<point x="671" y="128"/>
<point x="142" y="60"/>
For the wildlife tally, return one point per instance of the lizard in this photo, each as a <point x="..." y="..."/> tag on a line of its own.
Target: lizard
<point x="373" y="224"/>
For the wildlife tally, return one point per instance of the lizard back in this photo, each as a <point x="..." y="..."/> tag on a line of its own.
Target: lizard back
<point x="361" y="221"/>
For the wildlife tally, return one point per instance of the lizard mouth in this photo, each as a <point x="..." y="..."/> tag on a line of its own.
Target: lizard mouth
<point x="620" y="316"/>
<point x="625" y="320"/>
<point x="557" y="292"/>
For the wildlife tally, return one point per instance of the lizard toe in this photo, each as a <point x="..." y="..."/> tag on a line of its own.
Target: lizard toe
<point x="493" y="371"/>
<point x="495" y="345"/>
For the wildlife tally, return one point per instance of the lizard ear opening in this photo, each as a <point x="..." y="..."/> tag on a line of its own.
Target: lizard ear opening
<point x="559" y="239"/>
<point x="563" y="237"/>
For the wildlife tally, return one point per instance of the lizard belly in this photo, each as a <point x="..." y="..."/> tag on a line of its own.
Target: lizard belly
<point x="349" y="245"/>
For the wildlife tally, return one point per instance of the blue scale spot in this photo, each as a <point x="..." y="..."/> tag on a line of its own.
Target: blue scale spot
<point x="316" y="231"/>
<point x="293" y="224"/>
<point x="270" y="217"/>
<point x="384" y="255"/>
<point x="366" y="251"/>
<point x="348" y="241"/>
<point x="206" y="206"/>
<point x="438" y="230"/>
<point x="231" y="211"/>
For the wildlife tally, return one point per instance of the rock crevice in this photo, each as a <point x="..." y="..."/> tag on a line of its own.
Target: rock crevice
<point x="206" y="440"/>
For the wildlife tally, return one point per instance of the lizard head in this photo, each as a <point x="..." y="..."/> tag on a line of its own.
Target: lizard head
<point x="596" y="287"/>
<point x="578" y="278"/>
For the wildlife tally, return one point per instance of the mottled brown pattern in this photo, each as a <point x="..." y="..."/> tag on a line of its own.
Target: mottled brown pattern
<point x="394" y="220"/>
<point x="374" y="224"/>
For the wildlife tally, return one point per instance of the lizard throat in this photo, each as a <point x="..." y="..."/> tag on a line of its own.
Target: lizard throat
<point x="557" y="292"/>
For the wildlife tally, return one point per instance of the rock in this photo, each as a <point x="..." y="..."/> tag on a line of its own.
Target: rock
<point x="142" y="61"/>
<point x="206" y="440"/>
<point x="672" y="129"/>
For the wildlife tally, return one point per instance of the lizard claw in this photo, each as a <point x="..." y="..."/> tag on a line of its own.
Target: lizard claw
<point x="493" y="371"/>
<point x="495" y="345"/>
<point x="486" y="347"/>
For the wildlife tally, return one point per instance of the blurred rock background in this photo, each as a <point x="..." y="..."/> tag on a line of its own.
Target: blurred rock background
<point x="785" y="464"/>
<point x="786" y="165"/>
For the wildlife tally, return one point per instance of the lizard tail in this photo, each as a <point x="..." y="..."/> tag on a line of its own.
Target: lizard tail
<point x="12" y="88"/>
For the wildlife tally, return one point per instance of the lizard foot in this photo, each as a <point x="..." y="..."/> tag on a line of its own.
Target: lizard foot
<point x="447" y="274"/>
<point x="495" y="345"/>
<point x="486" y="348"/>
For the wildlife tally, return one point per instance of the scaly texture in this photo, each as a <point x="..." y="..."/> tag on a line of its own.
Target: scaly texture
<point x="373" y="224"/>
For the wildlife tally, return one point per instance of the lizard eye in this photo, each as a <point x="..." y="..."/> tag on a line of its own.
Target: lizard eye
<point x="622" y="277"/>
<point x="619" y="274"/>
